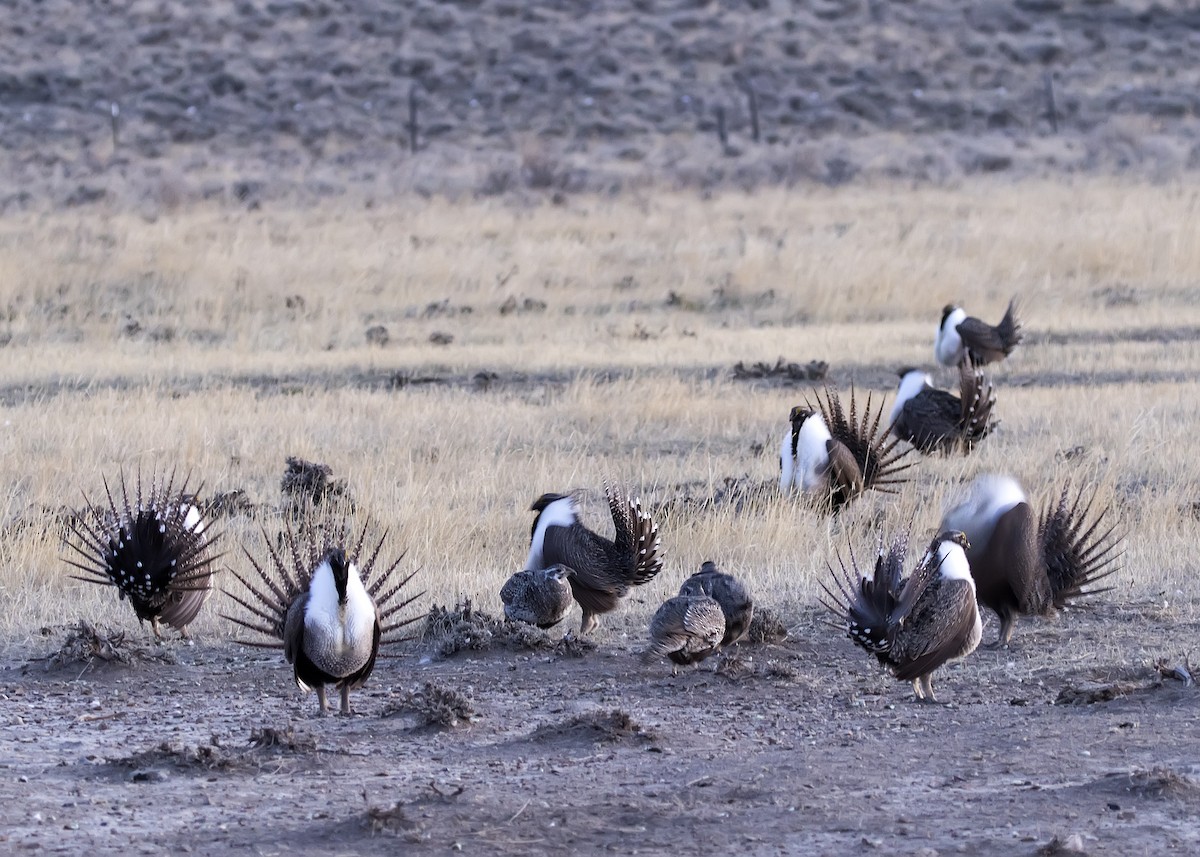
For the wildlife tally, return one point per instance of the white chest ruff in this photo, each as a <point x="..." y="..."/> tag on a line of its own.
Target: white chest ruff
<point x="812" y="455"/>
<point x="338" y="637"/>
<point x="949" y="345"/>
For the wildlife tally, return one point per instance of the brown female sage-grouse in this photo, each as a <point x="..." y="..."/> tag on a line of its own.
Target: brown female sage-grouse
<point x="962" y="337"/>
<point x="605" y="569"/>
<point x="730" y="593"/>
<point x="327" y="603"/>
<point x="934" y="420"/>
<point x="833" y="458"/>
<point x="686" y="629"/>
<point x="1031" y="566"/>
<point x="539" y="597"/>
<point x="153" y="547"/>
<point x="912" y="625"/>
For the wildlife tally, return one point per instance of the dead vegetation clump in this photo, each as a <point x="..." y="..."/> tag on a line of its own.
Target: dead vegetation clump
<point x="306" y="483"/>
<point x="387" y="819"/>
<point x="448" y="631"/>
<point x="286" y="739"/>
<point x="614" y="726"/>
<point x="1163" y="782"/>
<point x="1091" y="693"/>
<point x="813" y="370"/>
<point x="88" y="645"/>
<point x="1071" y="846"/>
<point x="202" y="757"/>
<point x="742" y="493"/>
<point x="438" y="706"/>
<point x="766" y="627"/>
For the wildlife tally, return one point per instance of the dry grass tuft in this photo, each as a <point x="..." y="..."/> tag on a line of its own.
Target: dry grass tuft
<point x="202" y="757"/>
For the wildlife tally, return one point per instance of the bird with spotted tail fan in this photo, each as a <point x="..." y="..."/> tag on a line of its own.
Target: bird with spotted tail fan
<point x="328" y="600"/>
<point x="604" y="569"/>
<point x="154" y="546"/>
<point x="833" y="456"/>
<point x="1024" y="564"/>
<point x="914" y="624"/>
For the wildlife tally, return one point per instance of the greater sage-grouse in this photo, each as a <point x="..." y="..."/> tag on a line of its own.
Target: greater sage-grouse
<point x="736" y="604"/>
<point x="605" y="569"/>
<point x="936" y="420"/>
<point x="153" y="547"/>
<point x="328" y="605"/>
<point x="686" y="629"/>
<point x="912" y="625"/>
<point x="1023" y="564"/>
<point x="961" y="336"/>
<point x="833" y="458"/>
<point x="540" y="596"/>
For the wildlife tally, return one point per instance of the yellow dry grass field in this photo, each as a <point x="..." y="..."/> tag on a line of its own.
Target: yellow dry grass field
<point x="535" y="347"/>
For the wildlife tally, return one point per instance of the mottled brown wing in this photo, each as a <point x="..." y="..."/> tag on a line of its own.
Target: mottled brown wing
<point x="937" y="630"/>
<point x="843" y="467"/>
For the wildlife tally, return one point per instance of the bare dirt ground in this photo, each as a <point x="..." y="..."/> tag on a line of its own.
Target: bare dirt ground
<point x="1072" y="739"/>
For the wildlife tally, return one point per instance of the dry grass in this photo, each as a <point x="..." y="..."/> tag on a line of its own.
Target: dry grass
<point x="182" y="341"/>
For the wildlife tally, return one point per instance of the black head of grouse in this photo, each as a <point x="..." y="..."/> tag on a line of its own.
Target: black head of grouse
<point x="327" y="602"/>
<point x="962" y="337"/>
<point x="730" y="593"/>
<point x="914" y="624"/>
<point x="1028" y="564"/>
<point x="832" y="456"/>
<point x="153" y="546"/>
<point x="934" y="420"/>
<point x="605" y="569"/>
<point x="538" y="596"/>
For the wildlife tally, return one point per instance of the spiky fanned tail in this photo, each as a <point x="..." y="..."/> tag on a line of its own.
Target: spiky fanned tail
<point x="869" y="608"/>
<point x="978" y="398"/>
<point x="156" y="549"/>
<point x="1079" y="549"/>
<point x="636" y="534"/>
<point x="287" y="571"/>
<point x="876" y="454"/>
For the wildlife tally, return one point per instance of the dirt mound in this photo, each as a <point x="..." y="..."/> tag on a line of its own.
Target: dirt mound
<point x="92" y="647"/>
<point x="495" y="96"/>
<point x="596" y="727"/>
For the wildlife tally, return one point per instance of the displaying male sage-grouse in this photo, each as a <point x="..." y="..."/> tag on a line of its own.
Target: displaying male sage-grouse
<point x="912" y="625"/>
<point x="153" y="547"/>
<point x="936" y="420"/>
<point x="605" y="569"/>
<point x="540" y="596"/>
<point x="328" y="604"/>
<point x="832" y="459"/>
<point x="730" y="593"/>
<point x="1023" y="564"/>
<point x="686" y="629"/>
<point x="961" y="336"/>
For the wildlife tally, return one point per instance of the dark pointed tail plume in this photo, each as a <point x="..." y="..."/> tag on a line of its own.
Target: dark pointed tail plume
<point x="873" y="449"/>
<point x="1009" y="328"/>
<point x="636" y="536"/>
<point x="1079" y="548"/>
